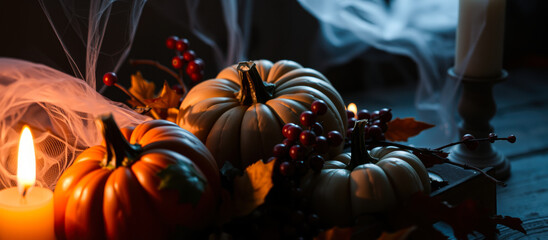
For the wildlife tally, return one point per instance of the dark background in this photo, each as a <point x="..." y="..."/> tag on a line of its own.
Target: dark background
<point x="280" y="30"/>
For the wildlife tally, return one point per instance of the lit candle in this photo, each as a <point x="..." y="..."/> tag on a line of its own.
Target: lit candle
<point x="353" y="108"/>
<point x="26" y="212"/>
<point x="480" y="35"/>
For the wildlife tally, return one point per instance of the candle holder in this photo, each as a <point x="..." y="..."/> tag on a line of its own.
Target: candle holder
<point x="476" y="108"/>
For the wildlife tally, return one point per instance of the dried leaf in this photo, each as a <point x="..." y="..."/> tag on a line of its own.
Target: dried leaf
<point x="468" y="217"/>
<point x="402" y="129"/>
<point x="336" y="233"/>
<point x="401" y="234"/>
<point x="510" y="222"/>
<point x="141" y="88"/>
<point x="251" y="189"/>
<point x="168" y="98"/>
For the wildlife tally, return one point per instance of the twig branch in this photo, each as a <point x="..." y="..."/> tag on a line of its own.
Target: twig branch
<point x="443" y="159"/>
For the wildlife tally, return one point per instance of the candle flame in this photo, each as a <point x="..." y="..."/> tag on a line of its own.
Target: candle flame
<point x="353" y="108"/>
<point x="26" y="162"/>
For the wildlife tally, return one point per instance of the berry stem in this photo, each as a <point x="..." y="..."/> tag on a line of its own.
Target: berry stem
<point x="469" y="140"/>
<point x="443" y="159"/>
<point x="253" y="89"/>
<point x="179" y="77"/>
<point x="141" y="101"/>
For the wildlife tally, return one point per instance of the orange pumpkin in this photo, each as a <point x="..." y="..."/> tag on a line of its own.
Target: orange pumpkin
<point x="240" y="114"/>
<point x="161" y="179"/>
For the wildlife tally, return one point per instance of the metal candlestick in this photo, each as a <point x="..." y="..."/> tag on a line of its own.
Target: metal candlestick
<point x="476" y="108"/>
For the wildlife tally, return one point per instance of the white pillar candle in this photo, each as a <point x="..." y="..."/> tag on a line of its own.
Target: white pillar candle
<point x="26" y="212"/>
<point x="480" y="35"/>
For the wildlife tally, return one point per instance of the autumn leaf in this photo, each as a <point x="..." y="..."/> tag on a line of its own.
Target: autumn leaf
<point x="402" y="129"/>
<point x="141" y="88"/>
<point x="336" y="233"/>
<point x="168" y="98"/>
<point x="401" y="234"/>
<point x="251" y="188"/>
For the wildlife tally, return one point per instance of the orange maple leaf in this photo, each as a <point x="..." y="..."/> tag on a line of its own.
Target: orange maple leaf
<point x="402" y="129"/>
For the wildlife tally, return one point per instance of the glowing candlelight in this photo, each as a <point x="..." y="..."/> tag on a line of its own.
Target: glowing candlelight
<point x="26" y="214"/>
<point x="26" y="162"/>
<point x="353" y="108"/>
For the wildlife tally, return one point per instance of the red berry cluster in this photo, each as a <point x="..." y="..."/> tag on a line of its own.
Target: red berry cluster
<point x="305" y="144"/>
<point x="184" y="56"/>
<point x="376" y="123"/>
<point x="303" y="148"/>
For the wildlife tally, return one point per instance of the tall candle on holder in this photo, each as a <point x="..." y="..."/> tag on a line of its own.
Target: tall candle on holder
<point x="26" y="211"/>
<point x="480" y="35"/>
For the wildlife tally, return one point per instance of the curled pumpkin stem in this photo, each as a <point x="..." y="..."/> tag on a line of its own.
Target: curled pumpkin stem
<point x="358" y="146"/>
<point x="119" y="151"/>
<point x="253" y="88"/>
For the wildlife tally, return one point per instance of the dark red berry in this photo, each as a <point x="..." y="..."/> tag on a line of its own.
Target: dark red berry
<point x="288" y="142"/>
<point x="196" y="76"/>
<point x="363" y="114"/>
<point x="374" y="131"/>
<point x="512" y="139"/>
<point x="321" y="146"/>
<point x="317" y="128"/>
<point x="351" y="122"/>
<point x="307" y="118"/>
<point x="319" y="107"/>
<point x="110" y="78"/>
<point x="178" y="88"/>
<point x="334" y="138"/>
<point x="375" y="115"/>
<point x="385" y="115"/>
<point x="349" y="133"/>
<point x="286" y="127"/>
<point x="286" y="168"/>
<point x="189" y="55"/>
<point x="181" y="44"/>
<point x="280" y="150"/>
<point x="170" y="42"/>
<point x="195" y="65"/>
<point x="350" y="114"/>
<point x="492" y="137"/>
<point x="307" y="138"/>
<point x="293" y="132"/>
<point x="296" y="152"/>
<point x="467" y="137"/>
<point x="177" y="62"/>
<point x="316" y="162"/>
<point x="468" y="141"/>
<point x="381" y="124"/>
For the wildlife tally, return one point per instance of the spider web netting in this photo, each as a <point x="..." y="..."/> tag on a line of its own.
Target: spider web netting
<point x="61" y="112"/>
<point x="96" y="36"/>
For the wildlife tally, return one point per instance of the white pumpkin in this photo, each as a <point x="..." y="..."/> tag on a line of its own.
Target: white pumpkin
<point x="341" y="192"/>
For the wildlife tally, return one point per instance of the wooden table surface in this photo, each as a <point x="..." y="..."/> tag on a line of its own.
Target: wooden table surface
<point x="522" y="110"/>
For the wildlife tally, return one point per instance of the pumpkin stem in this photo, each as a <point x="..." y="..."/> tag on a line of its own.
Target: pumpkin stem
<point x="253" y="90"/>
<point x="119" y="151"/>
<point x="358" y="146"/>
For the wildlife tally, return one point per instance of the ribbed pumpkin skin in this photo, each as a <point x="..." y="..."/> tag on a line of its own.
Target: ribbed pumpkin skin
<point x="96" y="202"/>
<point x="340" y="195"/>
<point x="243" y="134"/>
